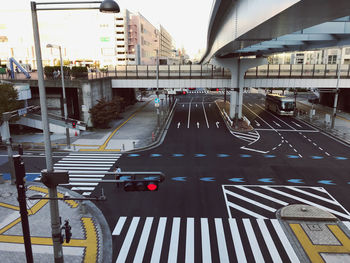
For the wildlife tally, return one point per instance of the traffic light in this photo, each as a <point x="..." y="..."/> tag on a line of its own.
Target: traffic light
<point x="217" y="89"/>
<point x="139" y="185"/>
<point x="74" y="124"/>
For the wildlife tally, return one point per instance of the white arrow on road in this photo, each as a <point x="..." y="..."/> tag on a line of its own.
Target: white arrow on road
<point x="217" y="124"/>
<point x="178" y="125"/>
<point x="257" y="123"/>
<point x="277" y="124"/>
<point x="197" y="124"/>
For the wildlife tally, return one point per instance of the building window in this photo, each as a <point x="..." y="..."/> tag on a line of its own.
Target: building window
<point x="347" y="51"/>
<point x="119" y="25"/>
<point x="332" y="59"/>
<point x="119" y="18"/>
<point x="120" y="46"/>
<point x="120" y="32"/>
<point x="120" y="39"/>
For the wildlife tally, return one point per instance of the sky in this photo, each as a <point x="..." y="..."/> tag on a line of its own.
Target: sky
<point x="185" y="20"/>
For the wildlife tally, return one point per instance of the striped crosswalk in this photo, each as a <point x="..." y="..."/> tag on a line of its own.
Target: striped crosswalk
<point x="86" y="169"/>
<point x="262" y="201"/>
<point x="163" y="239"/>
<point x="249" y="137"/>
<point x="206" y="92"/>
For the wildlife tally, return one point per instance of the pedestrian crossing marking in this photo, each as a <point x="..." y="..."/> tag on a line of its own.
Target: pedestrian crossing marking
<point x="150" y="239"/>
<point x="86" y="170"/>
<point x="262" y="201"/>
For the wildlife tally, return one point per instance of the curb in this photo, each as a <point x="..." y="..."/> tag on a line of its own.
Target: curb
<point x="160" y="138"/>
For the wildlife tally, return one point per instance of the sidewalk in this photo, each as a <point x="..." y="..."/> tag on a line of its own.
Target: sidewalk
<point x="91" y="239"/>
<point x="137" y="128"/>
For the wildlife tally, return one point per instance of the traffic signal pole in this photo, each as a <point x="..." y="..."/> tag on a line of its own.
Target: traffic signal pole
<point x="20" y="174"/>
<point x="6" y="116"/>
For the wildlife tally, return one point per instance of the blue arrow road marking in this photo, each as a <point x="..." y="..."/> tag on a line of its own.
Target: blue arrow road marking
<point x="222" y="155"/>
<point x="266" y="180"/>
<point x="133" y="155"/>
<point x="125" y="178"/>
<point x="207" y="179"/>
<point x="178" y="155"/>
<point x="30" y="177"/>
<point x="246" y="155"/>
<point x="156" y="155"/>
<point x="316" y="157"/>
<point x="341" y="158"/>
<point x="200" y="155"/>
<point x="237" y="180"/>
<point x="151" y="178"/>
<point x="329" y="182"/>
<point x="296" y="181"/>
<point x="293" y="156"/>
<point x="180" y="179"/>
<point x="269" y="156"/>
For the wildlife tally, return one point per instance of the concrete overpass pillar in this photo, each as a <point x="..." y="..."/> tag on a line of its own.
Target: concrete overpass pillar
<point x="238" y="68"/>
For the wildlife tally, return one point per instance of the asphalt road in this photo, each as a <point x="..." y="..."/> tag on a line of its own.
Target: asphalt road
<point x="218" y="184"/>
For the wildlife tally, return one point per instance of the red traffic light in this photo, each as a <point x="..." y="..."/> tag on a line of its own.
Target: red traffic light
<point x="152" y="186"/>
<point x="184" y="92"/>
<point x="74" y="124"/>
<point x="217" y="89"/>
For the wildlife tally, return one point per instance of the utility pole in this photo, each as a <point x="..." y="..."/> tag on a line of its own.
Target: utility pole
<point x="335" y="105"/>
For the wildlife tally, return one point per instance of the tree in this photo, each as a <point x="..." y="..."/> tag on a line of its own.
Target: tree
<point x="104" y="112"/>
<point x="8" y="99"/>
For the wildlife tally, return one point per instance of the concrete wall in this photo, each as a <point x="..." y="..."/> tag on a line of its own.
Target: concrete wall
<point x="171" y="83"/>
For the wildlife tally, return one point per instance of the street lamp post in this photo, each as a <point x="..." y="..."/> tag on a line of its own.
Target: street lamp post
<point x="63" y="94"/>
<point x="107" y="6"/>
<point x="335" y="104"/>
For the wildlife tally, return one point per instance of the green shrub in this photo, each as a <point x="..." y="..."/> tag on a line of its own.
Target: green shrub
<point x="48" y="70"/>
<point x="78" y="72"/>
<point x="104" y="112"/>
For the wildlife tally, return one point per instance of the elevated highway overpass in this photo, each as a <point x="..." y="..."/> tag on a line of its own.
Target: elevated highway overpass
<point x="241" y="33"/>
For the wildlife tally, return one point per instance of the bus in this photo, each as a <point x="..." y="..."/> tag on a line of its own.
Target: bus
<point x="280" y="104"/>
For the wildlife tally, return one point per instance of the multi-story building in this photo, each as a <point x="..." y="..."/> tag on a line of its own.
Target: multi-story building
<point x="125" y="38"/>
<point x="322" y="56"/>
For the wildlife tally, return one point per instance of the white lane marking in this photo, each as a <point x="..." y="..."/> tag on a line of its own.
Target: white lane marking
<point x="295" y="150"/>
<point x="257" y="123"/>
<point x="250" y="105"/>
<point x="217" y="124"/>
<point x="284" y="240"/>
<point x="119" y="226"/>
<point x="285" y="130"/>
<point x="174" y="240"/>
<point x="290" y="145"/>
<point x="327" y="153"/>
<point x="254" y="245"/>
<point x="80" y="162"/>
<point x="248" y="200"/>
<point x="10" y="218"/>
<point x="276" y="123"/>
<point x="253" y="150"/>
<point x="244" y="210"/>
<point x="347" y="224"/>
<point x="123" y="253"/>
<point x="312" y="195"/>
<point x="83" y="189"/>
<point x="178" y="125"/>
<point x="314" y="144"/>
<point x="246" y="134"/>
<point x="143" y="240"/>
<point x="86" y="193"/>
<point x="260" y="118"/>
<point x="220" y="235"/>
<point x="309" y="140"/>
<point x="89" y="159"/>
<point x="189" y="257"/>
<point x="300" y="155"/>
<point x="320" y="148"/>
<point x="82" y="183"/>
<point x="86" y="175"/>
<point x="279" y="144"/>
<point x="205" y="115"/>
<point x="189" y="114"/>
<point x="297" y="124"/>
<point x="244" y="188"/>
<point x="269" y="242"/>
<point x="95" y="154"/>
<point x="206" y="252"/>
<point x="237" y="242"/>
<point x="158" y="243"/>
<point x="85" y="179"/>
<point x="306" y="201"/>
<point x="197" y="124"/>
<point x="274" y="148"/>
<point x="81" y="168"/>
<point x="277" y="117"/>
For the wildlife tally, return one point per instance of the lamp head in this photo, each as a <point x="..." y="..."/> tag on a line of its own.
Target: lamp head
<point x="49" y="46"/>
<point x="109" y="6"/>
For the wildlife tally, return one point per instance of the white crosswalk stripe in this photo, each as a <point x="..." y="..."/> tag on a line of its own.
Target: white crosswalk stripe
<point x="86" y="170"/>
<point x="151" y="239"/>
<point x="262" y="201"/>
<point x="250" y="137"/>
